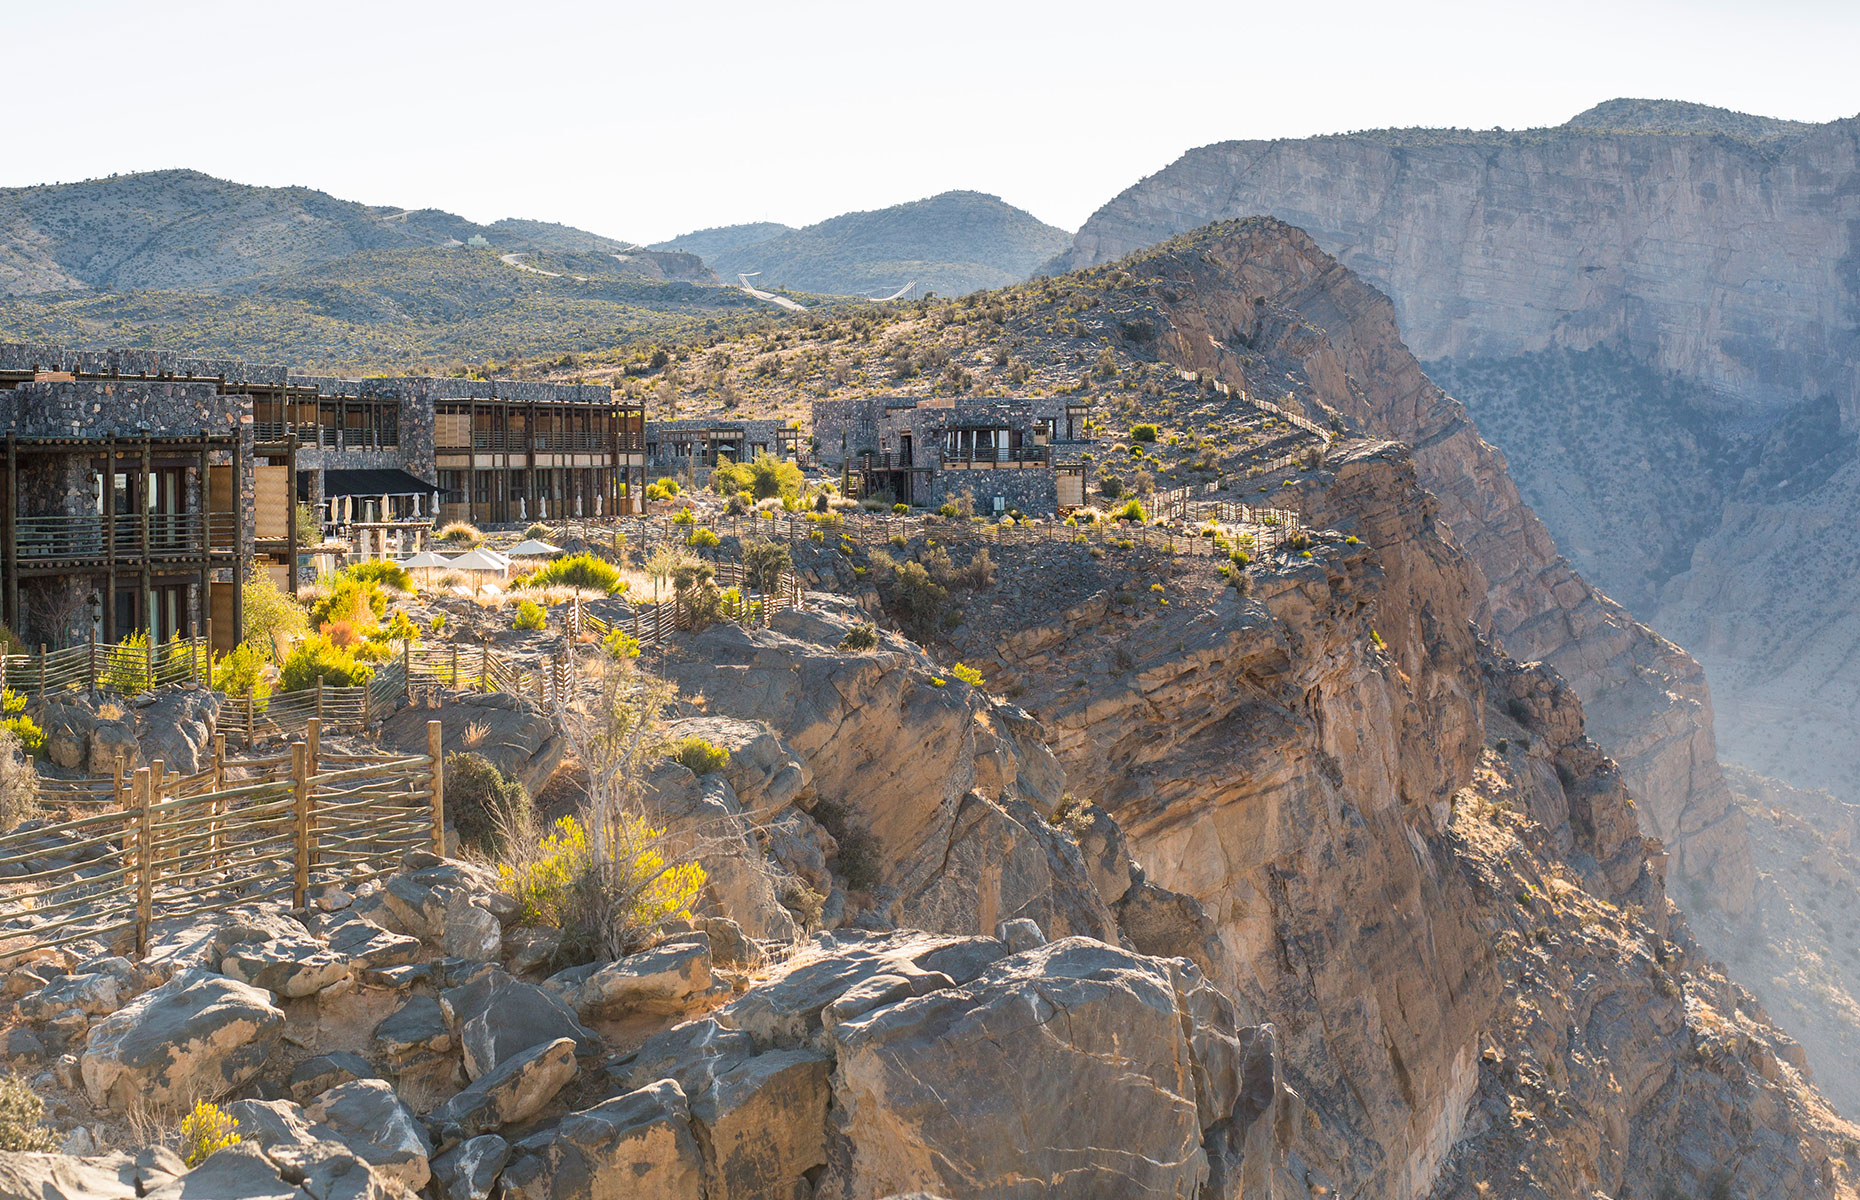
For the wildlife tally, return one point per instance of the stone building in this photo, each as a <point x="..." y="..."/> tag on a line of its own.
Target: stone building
<point x="1008" y="453"/>
<point x="690" y="447"/>
<point x="374" y="457"/>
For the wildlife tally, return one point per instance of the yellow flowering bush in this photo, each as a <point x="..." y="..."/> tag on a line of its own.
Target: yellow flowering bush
<point x="632" y="888"/>
<point x="206" y="1130"/>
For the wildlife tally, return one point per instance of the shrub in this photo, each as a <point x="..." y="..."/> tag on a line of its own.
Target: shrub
<point x="1143" y="433"/>
<point x="764" y="478"/>
<point x="486" y="806"/>
<point x="21" y="1117"/>
<point x="920" y="603"/>
<point x="697" y="755"/>
<point x="19" y="782"/>
<point x="459" y="533"/>
<point x="947" y="510"/>
<point x="341" y="634"/>
<point x="438" y="623"/>
<point x="684" y="516"/>
<point x="538" y="532"/>
<point x="578" y="570"/>
<point x="357" y="601"/>
<point x="900" y="509"/>
<point x="241" y="672"/>
<point x="382" y="571"/>
<point x="967" y="674"/>
<point x="400" y="628"/>
<point x="619" y="644"/>
<point x="858" y="859"/>
<point x="702" y="539"/>
<point x="764" y="563"/>
<point x="272" y="616"/>
<point x="559" y="881"/>
<point x="309" y="525"/>
<point x="530" y="615"/>
<point x="1111" y="487"/>
<point x="1131" y="510"/>
<point x="206" y="1130"/>
<point x="860" y="637"/>
<point x="316" y="656"/>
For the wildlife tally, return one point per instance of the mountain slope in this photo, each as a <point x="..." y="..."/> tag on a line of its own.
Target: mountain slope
<point x="1702" y="270"/>
<point x="709" y="243"/>
<point x="951" y="244"/>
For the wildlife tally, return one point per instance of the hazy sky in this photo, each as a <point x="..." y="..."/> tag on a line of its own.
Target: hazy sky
<point x="644" y="121"/>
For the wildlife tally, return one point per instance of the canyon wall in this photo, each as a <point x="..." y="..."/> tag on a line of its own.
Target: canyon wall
<point x="1655" y="317"/>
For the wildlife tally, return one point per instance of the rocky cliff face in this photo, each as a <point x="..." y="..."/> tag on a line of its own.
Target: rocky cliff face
<point x="1259" y="306"/>
<point x="1694" y="267"/>
<point x="1412" y="861"/>
<point x="1729" y="261"/>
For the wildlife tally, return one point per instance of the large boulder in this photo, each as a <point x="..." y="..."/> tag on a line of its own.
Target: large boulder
<point x="495" y="1018"/>
<point x="319" y="1157"/>
<point x="239" y="1172"/>
<point x="103" y="1177"/>
<point x="975" y="1091"/>
<point x="515" y="1091"/>
<point x="701" y="812"/>
<point x="199" y="1035"/>
<point x="661" y="980"/>
<point x="639" y="1146"/>
<point x="763" y="1125"/>
<point x="373" y="1122"/>
<point x="764" y="771"/>
<point x="517" y="735"/>
<point x="176" y="724"/>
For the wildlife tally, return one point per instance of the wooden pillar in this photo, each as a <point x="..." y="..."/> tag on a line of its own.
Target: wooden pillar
<point x="435" y="750"/>
<point x="240" y="554"/>
<point x="110" y="632"/>
<point x="145" y="875"/>
<point x="313" y="751"/>
<point x="204" y="602"/>
<point x="290" y="513"/>
<point x="142" y="488"/>
<point x="300" y="823"/>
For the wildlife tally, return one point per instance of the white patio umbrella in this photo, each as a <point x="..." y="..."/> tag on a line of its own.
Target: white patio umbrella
<point x="426" y="559"/>
<point x="481" y="560"/>
<point x="533" y="548"/>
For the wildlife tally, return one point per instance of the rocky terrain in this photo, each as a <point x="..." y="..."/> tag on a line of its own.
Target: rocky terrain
<point x="951" y="244"/>
<point x="1666" y="283"/>
<point x="1306" y="884"/>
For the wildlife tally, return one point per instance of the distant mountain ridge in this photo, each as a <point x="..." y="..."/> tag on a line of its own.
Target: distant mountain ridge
<point x="182" y="230"/>
<point x="951" y="244"/>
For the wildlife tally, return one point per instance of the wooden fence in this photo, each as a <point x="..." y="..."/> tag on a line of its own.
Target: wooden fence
<point x="176" y="846"/>
<point x="126" y="669"/>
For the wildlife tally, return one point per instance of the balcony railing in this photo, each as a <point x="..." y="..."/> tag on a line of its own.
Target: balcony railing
<point x="169" y="535"/>
<point x="326" y="437"/>
<point x="509" y="441"/>
<point x="1026" y="456"/>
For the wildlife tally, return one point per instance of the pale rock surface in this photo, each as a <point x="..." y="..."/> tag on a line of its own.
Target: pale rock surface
<point x="198" y="1035"/>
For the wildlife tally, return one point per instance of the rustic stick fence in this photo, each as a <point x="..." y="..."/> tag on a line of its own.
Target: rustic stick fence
<point x="175" y="848"/>
<point x="128" y="668"/>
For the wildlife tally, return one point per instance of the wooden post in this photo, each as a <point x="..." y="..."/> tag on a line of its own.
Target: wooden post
<point x="148" y="652"/>
<point x="300" y="825"/>
<point x="313" y="751"/>
<point x="251" y="720"/>
<point x="406" y="667"/>
<point x="435" y="750"/>
<point x="484" y="665"/>
<point x="454" y="681"/>
<point x="216" y="840"/>
<point x="41" y="668"/>
<point x="145" y="877"/>
<point x="91" y="672"/>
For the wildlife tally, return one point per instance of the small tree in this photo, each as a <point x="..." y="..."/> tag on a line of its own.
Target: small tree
<point x="273" y="618"/>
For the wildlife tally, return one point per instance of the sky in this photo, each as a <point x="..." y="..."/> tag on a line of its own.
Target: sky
<point x="643" y="121"/>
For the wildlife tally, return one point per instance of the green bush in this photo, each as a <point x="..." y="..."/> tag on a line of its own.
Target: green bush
<point x="317" y="655"/>
<point x="21" y="1117"/>
<point x="385" y="572"/>
<point x="578" y="570"/>
<point x="1111" y="487"/>
<point x="438" y="623"/>
<point x="1131" y="510"/>
<point x="485" y="805"/>
<point x="967" y="674"/>
<point x="357" y="601"/>
<point x="539" y="532"/>
<point x="530" y="615"/>
<point x="947" y="510"/>
<point x="920" y="603"/>
<point x="900" y="509"/>
<point x="272" y="615"/>
<point x="684" y="516"/>
<point x="242" y="672"/>
<point x="764" y="563"/>
<point x="860" y="637"/>
<point x="205" y="1131"/>
<point x="1143" y="433"/>
<point x="698" y="756"/>
<point x="764" y="478"/>
<point x="702" y="539"/>
<point x="620" y="644"/>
